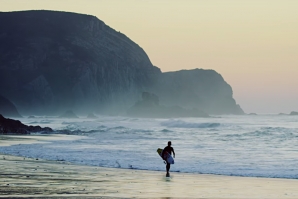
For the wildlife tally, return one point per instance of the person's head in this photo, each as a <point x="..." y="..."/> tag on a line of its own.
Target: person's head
<point x="169" y="143"/>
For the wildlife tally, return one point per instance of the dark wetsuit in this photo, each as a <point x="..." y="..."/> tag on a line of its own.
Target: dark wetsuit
<point x="168" y="149"/>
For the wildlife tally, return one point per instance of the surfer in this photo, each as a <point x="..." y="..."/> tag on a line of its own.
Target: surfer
<point x="168" y="149"/>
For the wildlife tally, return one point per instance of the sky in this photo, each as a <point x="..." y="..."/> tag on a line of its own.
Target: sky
<point x="253" y="44"/>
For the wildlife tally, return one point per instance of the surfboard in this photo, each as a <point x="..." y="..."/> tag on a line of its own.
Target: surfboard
<point x="168" y="156"/>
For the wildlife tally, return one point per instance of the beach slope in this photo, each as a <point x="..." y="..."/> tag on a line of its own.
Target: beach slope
<point x="25" y="177"/>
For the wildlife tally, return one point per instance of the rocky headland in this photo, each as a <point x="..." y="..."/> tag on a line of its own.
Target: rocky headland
<point x="294" y="113"/>
<point x="56" y="61"/>
<point x="291" y="113"/>
<point x="205" y="90"/>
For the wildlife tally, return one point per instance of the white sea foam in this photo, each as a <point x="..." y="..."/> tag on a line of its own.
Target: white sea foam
<point x="228" y="145"/>
<point x="183" y="124"/>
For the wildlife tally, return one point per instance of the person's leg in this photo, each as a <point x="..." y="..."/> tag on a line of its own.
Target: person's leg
<point x="168" y="167"/>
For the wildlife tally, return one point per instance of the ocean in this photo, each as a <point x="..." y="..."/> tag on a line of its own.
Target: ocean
<point x="247" y="145"/>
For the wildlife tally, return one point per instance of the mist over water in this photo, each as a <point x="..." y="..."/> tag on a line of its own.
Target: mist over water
<point x="263" y="145"/>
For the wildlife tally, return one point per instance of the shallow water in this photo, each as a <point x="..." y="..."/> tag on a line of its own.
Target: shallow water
<point x="262" y="145"/>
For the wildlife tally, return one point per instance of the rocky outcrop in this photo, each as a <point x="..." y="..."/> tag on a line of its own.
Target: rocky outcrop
<point x="10" y="126"/>
<point x="91" y="116"/>
<point x="53" y="61"/>
<point x="205" y="90"/>
<point x="149" y="107"/>
<point x="252" y="114"/>
<point x="69" y="114"/>
<point x="7" y="108"/>
<point x="294" y="113"/>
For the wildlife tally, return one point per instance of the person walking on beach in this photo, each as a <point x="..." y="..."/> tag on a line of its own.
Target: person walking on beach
<point x="168" y="149"/>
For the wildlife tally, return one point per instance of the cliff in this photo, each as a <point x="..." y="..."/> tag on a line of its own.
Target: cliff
<point x="57" y="60"/>
<point x="7" y="108"/>
<point x="205" y="90"/>
<point x="52" y="61"/>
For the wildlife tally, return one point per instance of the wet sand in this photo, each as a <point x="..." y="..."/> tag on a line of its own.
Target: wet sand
<point x="25" y="177"/>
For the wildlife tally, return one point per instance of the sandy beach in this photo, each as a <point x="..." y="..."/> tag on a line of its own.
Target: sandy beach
<point x="27" y="177"/>
<point x="24" y="177"/>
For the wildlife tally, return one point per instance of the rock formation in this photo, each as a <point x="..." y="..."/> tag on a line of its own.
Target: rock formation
<point x="55" y="61"/>
<point x="205" y="90"/>
<point x="7" y="108"/>
<point x="10" y="126"/>
<point x="91" y="116"/>
<point x="252" y="114"/>
<point x="69" y="114"/>
<point x="149" y="107"/>
<point x="294" y="113"/>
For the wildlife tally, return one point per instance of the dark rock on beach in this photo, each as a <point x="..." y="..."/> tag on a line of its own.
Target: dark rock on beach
<point x="10" y="126"/>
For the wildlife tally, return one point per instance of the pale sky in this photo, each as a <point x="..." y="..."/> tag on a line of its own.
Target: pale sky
<point x="253" y="44"/>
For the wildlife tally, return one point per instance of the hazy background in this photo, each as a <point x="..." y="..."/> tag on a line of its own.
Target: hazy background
<point x="253" y="44"/>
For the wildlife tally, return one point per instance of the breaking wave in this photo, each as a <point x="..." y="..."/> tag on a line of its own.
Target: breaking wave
<point x="183" y="124"/>
<point x="261" y="146"/>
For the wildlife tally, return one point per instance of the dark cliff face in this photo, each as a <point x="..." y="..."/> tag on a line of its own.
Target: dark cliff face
<point x="52" y="61"/>
<point x="58" y="60"/>
<point x="7" y="108"/>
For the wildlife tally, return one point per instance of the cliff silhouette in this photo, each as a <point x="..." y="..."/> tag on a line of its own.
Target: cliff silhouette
<point x="54" y="61"/>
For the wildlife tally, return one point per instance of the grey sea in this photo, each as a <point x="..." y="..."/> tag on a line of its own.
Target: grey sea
<point x="248" y="145"/>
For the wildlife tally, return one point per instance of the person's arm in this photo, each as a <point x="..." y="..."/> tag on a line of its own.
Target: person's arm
<point x="173" y="152"/>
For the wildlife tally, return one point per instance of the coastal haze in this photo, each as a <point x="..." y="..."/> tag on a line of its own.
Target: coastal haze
<point x="252" y="44"/>
<point x="84" y="86"/>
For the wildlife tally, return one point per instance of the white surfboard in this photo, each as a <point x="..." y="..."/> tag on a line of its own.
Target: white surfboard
<point x="168" y="156"/>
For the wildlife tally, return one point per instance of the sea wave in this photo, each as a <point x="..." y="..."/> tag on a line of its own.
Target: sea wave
<point x="41" y="122"/>
<point x="183" y="124"/>
<point x="73" y="130"/>
<point x="260" y="146"/>
<point x="274" y="132"/>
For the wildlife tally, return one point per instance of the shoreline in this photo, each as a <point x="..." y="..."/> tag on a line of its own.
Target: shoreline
<point x="23" y="177"/>
<point x="28" y="177"/>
